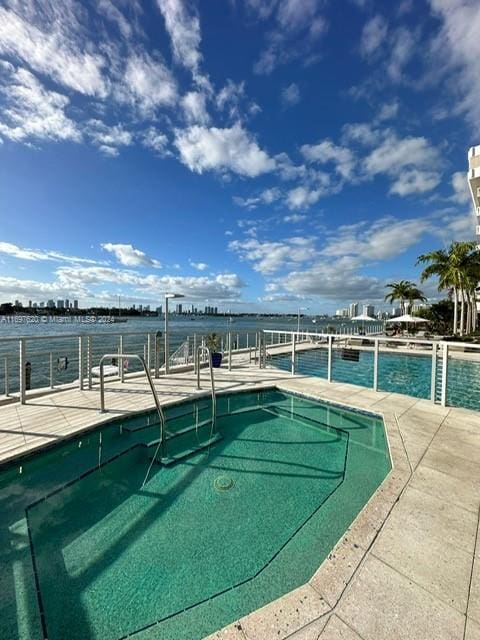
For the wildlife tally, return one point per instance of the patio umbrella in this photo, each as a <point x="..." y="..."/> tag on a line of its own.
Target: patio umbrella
<point x="407" y="318"/>
<point x="362" y="318"/>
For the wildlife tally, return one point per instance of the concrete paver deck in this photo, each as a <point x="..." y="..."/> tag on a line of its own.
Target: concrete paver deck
<point x="408" y="567"/>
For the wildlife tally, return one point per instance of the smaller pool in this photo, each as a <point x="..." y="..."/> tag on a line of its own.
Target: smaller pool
<point x="87" y="553"/>
<point x="397" y="373"/>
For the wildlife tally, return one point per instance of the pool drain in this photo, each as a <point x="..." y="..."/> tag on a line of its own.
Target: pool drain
<point x="223" y="483"/>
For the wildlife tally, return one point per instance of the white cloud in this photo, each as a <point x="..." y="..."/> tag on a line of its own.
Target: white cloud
<point x="200" y="266"/>
<point x="412" y="162"/>
<point x="194" y="105"/>
<point x="127" y="255"/>
<point x="299" y="25"/>
<point x="269" y="257"/>
<point x="108" y="138"/>
<point x="267" y="196"/>
<point x="183" y="27"/>
<point x="403" y="48"/>
<point x="388" y="110"/>
<point x="156" y="140"/>
<point x="373" y="36"/>
<point x="361" y="133"/>
<point x="22" y="253"/>
<point x="457" y="48"/>
<point x="230" y="149"/>
<point x="382" y="239"/>
<point x="31" y="111"/>
<point x="54" y="50"/>
<point x="290" y="95"/>
<point x="295" y="218"/>
<point x="148" y="83"/>
<point x="461" y="192"/>
<point x="327" y="151"/>
<point x="415" y="181"/>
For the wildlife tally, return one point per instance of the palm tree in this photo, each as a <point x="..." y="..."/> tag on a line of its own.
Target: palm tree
<point x="458" y="270"/>
<point x="404" y="291"/>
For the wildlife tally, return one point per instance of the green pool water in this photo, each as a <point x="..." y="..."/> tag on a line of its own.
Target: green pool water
<point x="87" y="553"/>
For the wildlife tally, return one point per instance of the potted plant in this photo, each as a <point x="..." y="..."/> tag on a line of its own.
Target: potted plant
<point x="213" y="343"/>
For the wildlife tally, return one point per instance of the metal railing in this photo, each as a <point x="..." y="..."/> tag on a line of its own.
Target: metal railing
<point x="161" y="416"/>
<point x="442" y="371"/>
<point x="206" y="350"/>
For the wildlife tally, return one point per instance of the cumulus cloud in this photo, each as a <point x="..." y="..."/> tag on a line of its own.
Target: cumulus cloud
<point x="53" y="50"/>
<point x="290" y="95"/>
<point x="199" y="266"/>
<point x="127" y="255"/>
<point x="268" y="257"/>
<point x="108" y="138"/>
<point x="156" y="140"/>
<point x="461" y="192"/>
<point x="267" y="196"/>
<point x="148" y="83"/>
<point x="457" y="46"/>
<point x="373" y="36"/>
<point x="230" y="149"/>
<point x="23" y="253"/>
<point x="183" y="26"/>
<point x="33" y="112"/>
<point x="326" y="151"/>
<point x="299" y="21"/>
<point x="194" y="105"/>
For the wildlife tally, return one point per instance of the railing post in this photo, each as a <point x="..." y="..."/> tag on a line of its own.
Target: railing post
<point x="149" y="351"/>
<point x="444" y="375"/>
<point x="229" y="350"/>
<point x="80" y="363"/>
<point x="89" y="361"/>
<point x="375" y="366"/>
<point x="120" y="360"/>
<point x="22" y="372"/>
<point x="195" y="353"/>
<point x="329" y="361"/>
<point x="433" y="384"/>
<point x="294" y="340"/>
<point x="247" y="339"/>
<point x="51" y="370"/>
<point x="7" y="376"/>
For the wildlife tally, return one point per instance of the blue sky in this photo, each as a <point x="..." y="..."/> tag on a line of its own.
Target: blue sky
<point x="255" y="155"/>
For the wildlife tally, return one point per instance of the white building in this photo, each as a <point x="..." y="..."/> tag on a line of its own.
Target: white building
<point x="369" y="310"/>
<point x="353" y="309"/>
<point x="474" y="184"/>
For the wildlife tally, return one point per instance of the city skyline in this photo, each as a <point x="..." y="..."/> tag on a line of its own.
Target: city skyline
<point x="251" y="156"/>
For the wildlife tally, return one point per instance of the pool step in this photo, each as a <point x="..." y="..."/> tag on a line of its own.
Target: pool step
<point x="168" y="460"/>
<point x="298" y="417"/>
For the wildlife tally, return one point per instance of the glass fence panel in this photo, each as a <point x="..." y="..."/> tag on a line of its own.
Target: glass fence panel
<point x="352" y="362"/>
<point x="405" y="368"/>
<point x="463" y="379"/>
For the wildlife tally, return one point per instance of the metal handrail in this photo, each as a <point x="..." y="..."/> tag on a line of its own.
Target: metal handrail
<point x="201" y="348"/>
<point x="161" y="415"/>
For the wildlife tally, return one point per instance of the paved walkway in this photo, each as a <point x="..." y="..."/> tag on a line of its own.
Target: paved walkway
<point x="408" y="568"/>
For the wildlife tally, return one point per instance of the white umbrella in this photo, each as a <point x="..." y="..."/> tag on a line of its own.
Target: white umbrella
<point x="407" y="318"/>
<point x="363" y="318"/>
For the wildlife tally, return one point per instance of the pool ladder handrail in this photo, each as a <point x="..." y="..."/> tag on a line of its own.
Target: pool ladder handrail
<point x="203" y="348"/>
<point x="126" y="356"/>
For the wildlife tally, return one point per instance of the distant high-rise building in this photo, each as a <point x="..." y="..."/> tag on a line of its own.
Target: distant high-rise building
<point x="178" y="308"/>
<point x="397" y="311"/>
<point x="67" y="303"/>
<point x="50" y="304"/>
<point x="159" y="310"/>
<point x="353" y="309"/>
<point x="18" y="303"/>
<point x="140" y="308"/>
<point x="35" y="305"/>
<point x="215" y="311"/>
<point x="29" y="304"/>
<point x="42" y="305"/>
<point x="60" y="304"/>
<point x="75" y="304"/>
<point x="369" y="310"/>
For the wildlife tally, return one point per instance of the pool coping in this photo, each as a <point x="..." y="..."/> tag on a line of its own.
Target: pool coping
<point x="317" y="599"/>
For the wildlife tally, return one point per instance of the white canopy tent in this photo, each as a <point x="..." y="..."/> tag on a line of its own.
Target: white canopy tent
<point x="362" y="318"/>
<point x="408" y="318"/>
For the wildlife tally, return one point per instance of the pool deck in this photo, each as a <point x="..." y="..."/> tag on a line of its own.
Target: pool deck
<point x="409" y="565"/>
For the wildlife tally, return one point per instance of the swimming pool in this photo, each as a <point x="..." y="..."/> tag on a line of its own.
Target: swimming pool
<point x="405" y="373"/>
<point x="87" y="553"/>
